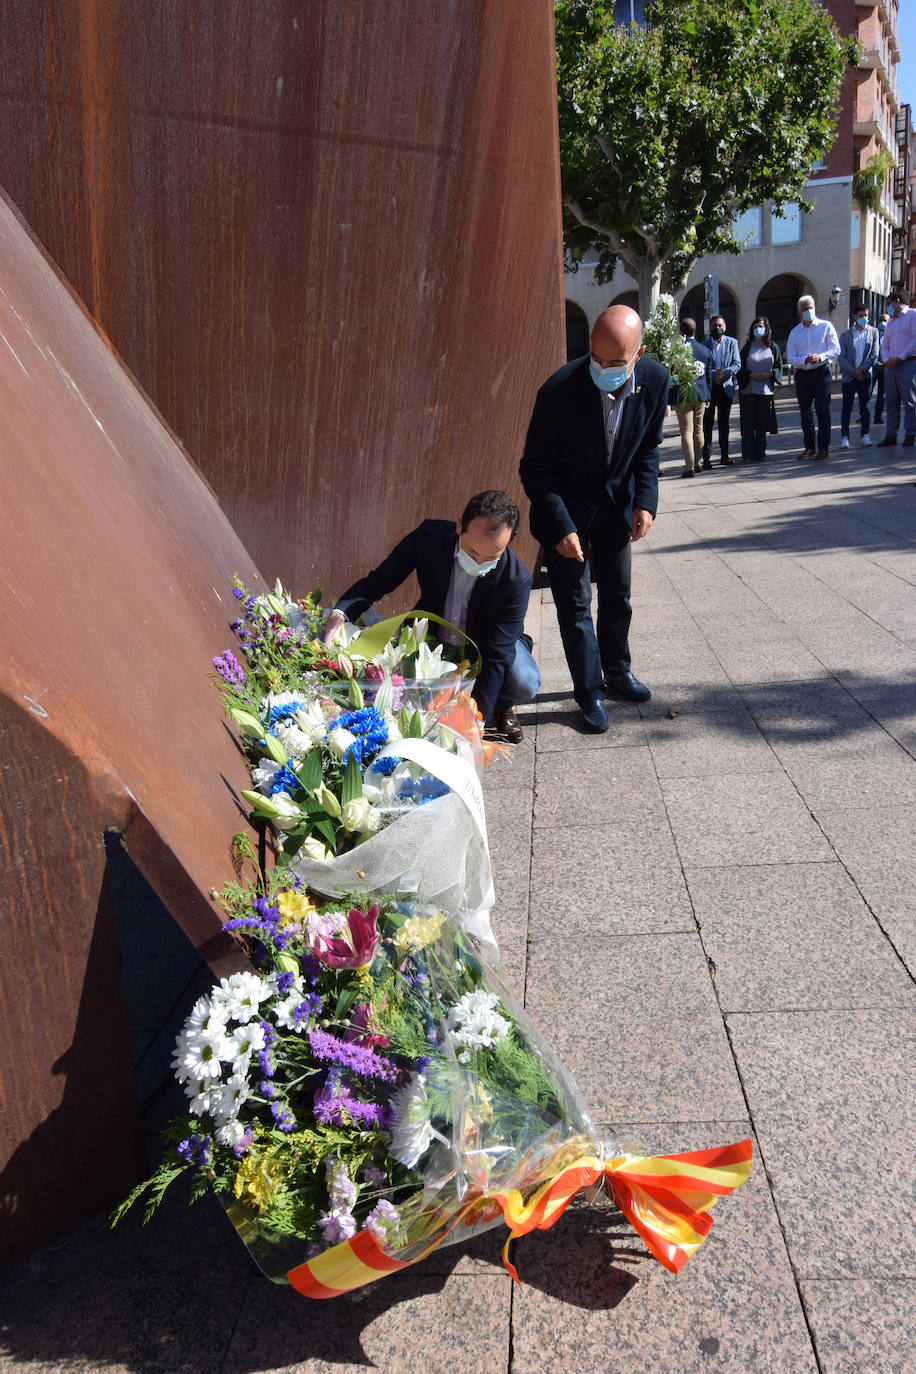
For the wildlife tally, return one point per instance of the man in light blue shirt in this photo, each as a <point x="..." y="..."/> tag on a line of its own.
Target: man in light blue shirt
<point x="813" y="344"/>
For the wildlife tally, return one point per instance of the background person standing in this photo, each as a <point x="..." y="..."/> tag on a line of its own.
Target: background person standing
<point x="858" y="355"/>
<point x="726" y="360"/>
<point x="759" y="375"/>
<point x="898" y="353"/>
<point x="812" y="346"/>
<point x="879" y="371"/>
<point x="690" y="413"/>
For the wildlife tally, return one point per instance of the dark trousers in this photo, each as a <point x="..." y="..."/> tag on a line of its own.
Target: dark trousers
<point x="590" y="655"/>
<point x="851" y="389"/>
<point x="813" y="390"/>
<point x="879" y="395"/>
<point x="720" y="403"/>
<point x="755" y="424"/>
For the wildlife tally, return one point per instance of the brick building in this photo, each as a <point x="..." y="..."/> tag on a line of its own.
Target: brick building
<point x="854" y="243"/>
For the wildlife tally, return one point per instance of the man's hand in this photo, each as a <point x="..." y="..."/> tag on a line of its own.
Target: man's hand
<point x="813" y="358"/>
<point x="642" y="524"/>
<point x="858" y="374"/>
<point x="719" y="375"/>
<point x="891" y="362"/>
<point x="332" y="625"/>
<point x="569" y="547"/>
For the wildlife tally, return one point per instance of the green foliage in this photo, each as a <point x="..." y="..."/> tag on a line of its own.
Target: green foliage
<point x="668" y="131"/>
<point x="868" y="182"/>
<point x="664" y="341"/>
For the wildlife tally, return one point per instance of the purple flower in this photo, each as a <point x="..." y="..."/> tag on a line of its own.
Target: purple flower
<point x="351" y="1056"/>
<point x="229" y="669"/>
<point x="244" y="1145"/>
<point x="283" y="1119"/>
<point x="283" y="982"/>
<point x="196" y="1150"/>
<point x="336" y="1106"/>
<point x="268" y="1090"/>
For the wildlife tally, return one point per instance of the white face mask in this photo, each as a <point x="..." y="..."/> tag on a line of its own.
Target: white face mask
<point x="466" y="564"/>
<point x="808" y="314"/>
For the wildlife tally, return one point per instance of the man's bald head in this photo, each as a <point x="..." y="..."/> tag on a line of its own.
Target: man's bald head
<point x="617" y="338"/>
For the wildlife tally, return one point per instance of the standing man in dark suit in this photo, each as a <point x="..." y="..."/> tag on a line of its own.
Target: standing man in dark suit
<point x="590" y="469"/>
<point x="468" y="575"/>
<point x="726" y="360"/>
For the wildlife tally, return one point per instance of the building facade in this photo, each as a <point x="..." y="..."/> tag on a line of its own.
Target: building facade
<point x="851" y="247"/>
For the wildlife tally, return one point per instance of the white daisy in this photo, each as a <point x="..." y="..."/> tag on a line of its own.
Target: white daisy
<point x="239" y="997"/>
<point x="229" y="1097"/>
<point x="232" y="1133"/>
<point x="204" y="1052"/>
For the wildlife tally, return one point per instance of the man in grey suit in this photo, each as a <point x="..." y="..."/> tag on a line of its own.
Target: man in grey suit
<point x="726" y="360"/>
<point x="858" y="355"/>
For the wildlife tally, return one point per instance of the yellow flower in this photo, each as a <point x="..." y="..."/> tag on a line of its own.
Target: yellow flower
<point x="418" y="931"/>
<point x="294" y="908"/>
<point x="255" y="1184"/>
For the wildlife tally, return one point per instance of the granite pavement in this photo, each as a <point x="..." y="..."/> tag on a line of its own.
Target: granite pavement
<point x="711" y="910"/>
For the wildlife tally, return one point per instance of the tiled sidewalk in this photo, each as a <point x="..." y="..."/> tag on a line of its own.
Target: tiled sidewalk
<point x="711" y="910"/>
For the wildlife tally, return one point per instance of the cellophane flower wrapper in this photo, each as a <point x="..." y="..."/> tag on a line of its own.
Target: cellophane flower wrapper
<point x="374" y="1089"/>
<point x="485" y="1109"/>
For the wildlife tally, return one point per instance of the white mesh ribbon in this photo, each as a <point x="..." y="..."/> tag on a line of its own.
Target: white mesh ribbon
<point x="438" y="848"/>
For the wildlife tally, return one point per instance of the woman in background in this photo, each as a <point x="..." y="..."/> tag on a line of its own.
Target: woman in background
<point x="759" y="375"/>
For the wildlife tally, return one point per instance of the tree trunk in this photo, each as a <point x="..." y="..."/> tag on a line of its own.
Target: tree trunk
<point x="648" y="278"/>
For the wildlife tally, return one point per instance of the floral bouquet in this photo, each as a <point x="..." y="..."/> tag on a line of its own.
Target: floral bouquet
<point x="374" y="1091"/>
<point x="362" y="779"/>
<point x="371" y="1089"/>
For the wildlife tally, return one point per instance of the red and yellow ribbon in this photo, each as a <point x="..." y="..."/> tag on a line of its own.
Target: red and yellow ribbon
<point x="666" y="1198"/>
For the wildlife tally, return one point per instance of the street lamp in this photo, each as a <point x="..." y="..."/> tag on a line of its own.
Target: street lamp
<point x="834" y="298"/>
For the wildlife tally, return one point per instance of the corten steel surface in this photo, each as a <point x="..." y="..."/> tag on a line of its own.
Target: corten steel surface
<point x="114" y="595"/>
<point x="325" y="237"/>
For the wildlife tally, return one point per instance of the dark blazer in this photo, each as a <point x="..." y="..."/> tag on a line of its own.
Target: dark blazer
<point x="564" y="468"/>
<point x="496" y="610"/>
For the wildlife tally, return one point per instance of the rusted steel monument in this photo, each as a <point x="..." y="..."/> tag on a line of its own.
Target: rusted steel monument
<point x="325" y="239"/>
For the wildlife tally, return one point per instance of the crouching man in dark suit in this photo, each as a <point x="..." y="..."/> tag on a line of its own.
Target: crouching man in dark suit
<point x="590" y="469"/>
<point x="469" y="576"/>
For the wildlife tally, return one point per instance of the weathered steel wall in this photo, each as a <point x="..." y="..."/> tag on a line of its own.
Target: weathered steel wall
<point x="325" y="237"/>
<point x="114" y="595"/>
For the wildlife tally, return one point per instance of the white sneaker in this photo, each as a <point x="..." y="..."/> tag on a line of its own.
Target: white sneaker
<point x="866" y="441"/>
<point x="844" y="442"/>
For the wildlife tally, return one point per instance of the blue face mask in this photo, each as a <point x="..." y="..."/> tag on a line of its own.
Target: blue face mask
<point x="808" y="314"/>
<point x="608" y="378"/>
<point x="860" y="324"/>
<point x="881" y="327"/>
<point x="759" y="331"/>
<point x="467" y="564"/>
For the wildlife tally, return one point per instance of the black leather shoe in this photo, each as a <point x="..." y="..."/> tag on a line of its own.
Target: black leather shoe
<point x="627" y="686"/>
<point x="507" y="724"/>
<point x="889" y="441"/>
<point x="594" y="718"/>
<point x="908" y="441"/>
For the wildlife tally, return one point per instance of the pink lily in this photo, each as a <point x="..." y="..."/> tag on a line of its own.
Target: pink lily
<point x="354" y="945"/>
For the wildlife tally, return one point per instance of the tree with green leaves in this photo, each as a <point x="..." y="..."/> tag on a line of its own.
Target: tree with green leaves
<point x="670" y="130"/>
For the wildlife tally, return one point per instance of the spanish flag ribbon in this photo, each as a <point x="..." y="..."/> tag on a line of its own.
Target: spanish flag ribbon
<point x="666" y="1198"/>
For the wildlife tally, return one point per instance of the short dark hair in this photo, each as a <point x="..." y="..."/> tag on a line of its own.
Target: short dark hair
<point x="900" y="294"/>
<point x="496" y="507"/>
<point x="689" y="326"/>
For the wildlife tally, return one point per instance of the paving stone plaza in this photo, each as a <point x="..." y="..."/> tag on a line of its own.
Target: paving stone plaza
<point x="710" y="910"/>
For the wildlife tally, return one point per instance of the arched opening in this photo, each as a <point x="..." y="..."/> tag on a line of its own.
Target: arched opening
<point x="693" y="303"/>
<point x="778" y="299"/>
<point x="577" y="331"/>
<point x="630" y="298"/>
